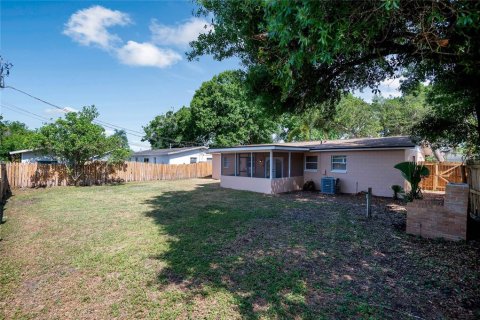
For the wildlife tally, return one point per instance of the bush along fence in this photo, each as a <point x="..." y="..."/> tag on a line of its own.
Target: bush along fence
<point x="33" y="175"/>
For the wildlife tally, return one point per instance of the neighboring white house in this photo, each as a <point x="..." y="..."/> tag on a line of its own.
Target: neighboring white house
<point x="173" y="155"/>
<point x="36" y="156"/>
<point x="32" y="156"/>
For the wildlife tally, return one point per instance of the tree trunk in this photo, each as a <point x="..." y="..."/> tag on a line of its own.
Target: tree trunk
<point x="477" y="111"/>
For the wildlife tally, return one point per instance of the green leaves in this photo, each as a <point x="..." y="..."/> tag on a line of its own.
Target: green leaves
<point x="304" y="53"/>
<point x="14" y="135"/>
<point x="221" y="113"/>
<point x="413" y="173"/>
<point x="76" y="140"/>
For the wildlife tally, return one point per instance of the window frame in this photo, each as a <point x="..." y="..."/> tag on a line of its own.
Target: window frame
<point x="146" y="160"/>
<point x="311" y="162"/>
<point x="337" y="162"/>
<point x="195" y="160"/>
<point x="225" y="162"/>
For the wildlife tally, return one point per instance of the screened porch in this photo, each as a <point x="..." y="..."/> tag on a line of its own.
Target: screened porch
<point x="257" y="164"/>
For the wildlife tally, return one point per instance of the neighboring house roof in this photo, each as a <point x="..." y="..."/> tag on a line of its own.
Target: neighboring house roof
<point x="397" y="142"/>
<point x="166" y="152"/>
<point x="21" y="151"/>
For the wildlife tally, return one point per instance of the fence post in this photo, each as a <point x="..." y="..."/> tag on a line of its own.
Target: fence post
<point x="369" y="203"/>
<point x="435" y="177"/>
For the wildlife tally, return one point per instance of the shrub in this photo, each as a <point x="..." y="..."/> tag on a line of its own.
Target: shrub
<point x="396" y="191"/>
<point x="309" y="186"/>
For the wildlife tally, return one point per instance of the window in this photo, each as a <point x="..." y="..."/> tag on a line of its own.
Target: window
<point x="146" y="160"/>
<point x="136" y="159"/>
<point x="193" y="159"/>
<point x="226" y="162"/>
<point x="311" y="163"/>
<point x="339" y="164"/>
<point x="154" y="159"/>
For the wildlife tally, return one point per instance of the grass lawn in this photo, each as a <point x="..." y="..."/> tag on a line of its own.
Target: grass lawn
<point x="190" y="250"/>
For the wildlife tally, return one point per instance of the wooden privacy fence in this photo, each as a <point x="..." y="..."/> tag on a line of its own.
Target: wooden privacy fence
<point x="442" y="173"/>
<point x="30" y="175"/>
<point x="473" y="169"/>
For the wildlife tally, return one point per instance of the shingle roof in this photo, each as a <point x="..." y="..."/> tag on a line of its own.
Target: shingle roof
<point x="165" y="152"/>
<point x="341" y="144"/>
<point x="365" y="143"/>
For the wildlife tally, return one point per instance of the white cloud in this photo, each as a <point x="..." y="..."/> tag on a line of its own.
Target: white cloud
<point x="181" y="34"/>
<point x="58" y="111"/>
<point x="89" y="26"/>
<point x="147" y="55"/>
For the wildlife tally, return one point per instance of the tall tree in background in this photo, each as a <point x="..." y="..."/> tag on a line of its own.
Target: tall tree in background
<point x="299" y="53"/>
<point x="172" y="129"/>
<point x="76" y="140"/>
<point x="223" y="114"/>
<point x="400" y="115"/>
<point x="220" y="114"/>
<point x="14" y="135"/>
<point x="355" y="118"/>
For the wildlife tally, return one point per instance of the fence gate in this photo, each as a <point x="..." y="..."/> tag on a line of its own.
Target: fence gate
<point x="442" y="173"/>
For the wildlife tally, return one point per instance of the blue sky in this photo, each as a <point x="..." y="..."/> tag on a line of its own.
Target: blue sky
<point x="125" y="57"/>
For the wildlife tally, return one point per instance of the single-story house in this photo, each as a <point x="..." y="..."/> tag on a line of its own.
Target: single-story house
<point x="32" y="156"/>
<point x="173" y="155"/>
<point x="357" y="164"/>
<point x="37" y="156"/>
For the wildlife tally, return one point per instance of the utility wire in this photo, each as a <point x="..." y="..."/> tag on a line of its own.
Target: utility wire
<point x="25" y="112"/>
<point x="103" y="123"/>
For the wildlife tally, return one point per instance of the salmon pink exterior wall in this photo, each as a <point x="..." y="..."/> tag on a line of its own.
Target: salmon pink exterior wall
<point x="364" y="169"/>
<point x="216" y="166"/>
<point x="246" y="183"/>
<point x="262" y="185"/>
<point x="287" y="184"/>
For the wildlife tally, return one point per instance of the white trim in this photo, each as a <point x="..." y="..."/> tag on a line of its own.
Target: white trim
<point x="271" y="165"/>
<point x="358" y="149"/>
<point x="343" y="162"/>
<point x="289" y="164"/>
<point x="21" y="151"/>
<point x="258" y="149"/>
<point x="305" y="164"/>
<point x="252" y="165"/>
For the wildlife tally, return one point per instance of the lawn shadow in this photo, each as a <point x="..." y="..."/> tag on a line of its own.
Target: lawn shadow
<point x="224" y="240"/>
<point x="279" y="256"/>
<point x="285" y="256"/>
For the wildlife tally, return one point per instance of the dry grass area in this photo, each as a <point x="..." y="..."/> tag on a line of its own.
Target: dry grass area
<point x="190" y="250"/>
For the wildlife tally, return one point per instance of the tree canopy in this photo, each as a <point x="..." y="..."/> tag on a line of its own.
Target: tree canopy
<point x="355" y="118"/>
<point x="301" y="53"/>
<point x="220" y="114"/>
<point x="76" y="139"/>
<point x="14" y="135"/>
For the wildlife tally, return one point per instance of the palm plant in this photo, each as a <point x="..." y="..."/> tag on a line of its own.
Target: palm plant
<point x="396" y="191"/>
<point x="413" y="173"/>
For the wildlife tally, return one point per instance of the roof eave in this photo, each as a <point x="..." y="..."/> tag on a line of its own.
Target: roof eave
<point x="258" y="148"/>
<point x="21" y="151"/>
<point x="362" y="148"/>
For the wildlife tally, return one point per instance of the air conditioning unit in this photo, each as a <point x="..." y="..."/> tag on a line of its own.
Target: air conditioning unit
<point x="328" y="185"/>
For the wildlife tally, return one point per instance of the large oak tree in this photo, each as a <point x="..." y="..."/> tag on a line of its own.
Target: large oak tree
<point x="300" y="53"/>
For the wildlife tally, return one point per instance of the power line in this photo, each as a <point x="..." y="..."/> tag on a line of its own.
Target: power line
<point x="25" y="112"/>
<point x="103" y="123"/>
